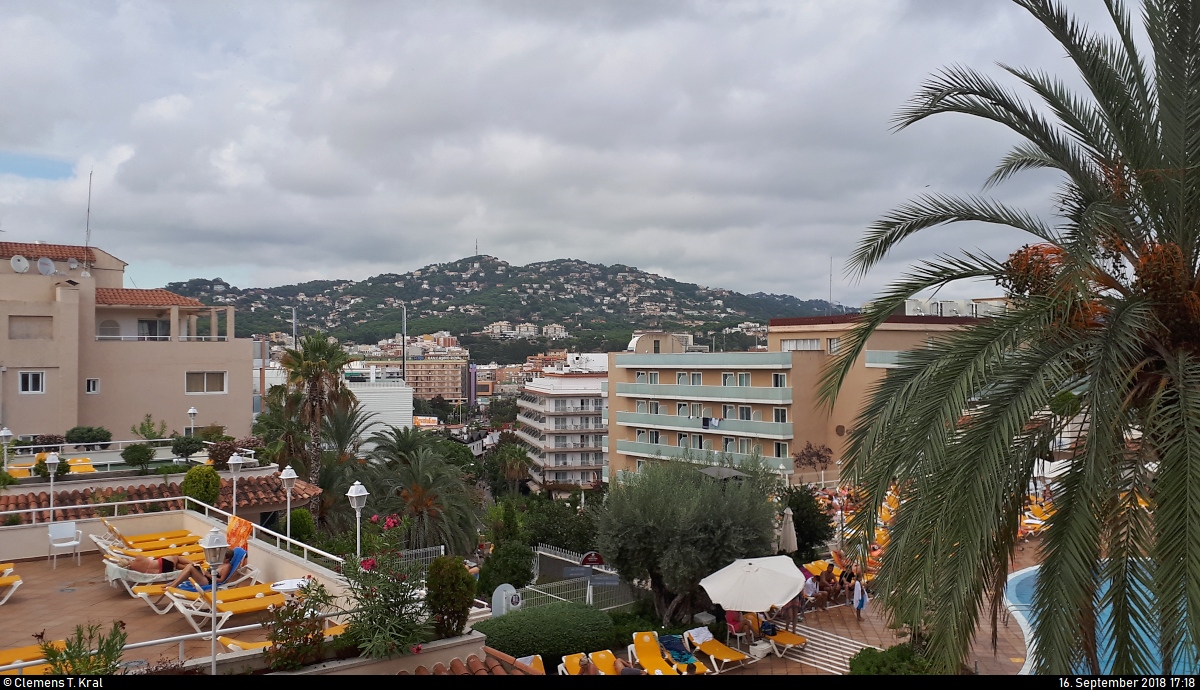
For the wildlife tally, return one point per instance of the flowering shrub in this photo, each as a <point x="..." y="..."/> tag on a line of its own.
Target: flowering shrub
<point x="296" y="630"/>
<point x="389" y="615"/>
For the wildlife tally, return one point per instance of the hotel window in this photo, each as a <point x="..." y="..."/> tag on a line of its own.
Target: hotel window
<point x="560" y="422"/>
<point x="800" y="344"/>
<point x="560" y="459"/>
<point x="697" y="441"/>
<point x="32" y="381"/>
<point x="654" y="407"/>
<point x="641" y="435"/>
<point x="697" y="378"/>
<point x="91" y="386"/>
<point x="779" y="380"/>
<point x="598" y="458"/>
<point x="641" y="407"/>
<point x="781" y="449"/>
<point x="560" y="405"/>
<point x="744" y="412"/>
<point x="598" y="441"/>
<point x="154" y="329"/>
<point x="597" y="422"/>
<point x="681" y="409"/>
<point x="199" y="382"/>
<point x="697" y="409"/>
<point x="654" y="437"/>
<point x="729" y="412"/>
<point x="585" y="422"/>
<point x="835" y="345"/>
<point x="654" y="377"/>
<point x="883" y="359"/>
<point x="781" y="415"/>
<point x="729" y="444"/>
<point x="744" y="446"/>
<point x="640" y="377"/>
<point x="744" y="378"/>
<point x="728" y="380"/>
<point x="584" y="403"/>
<point x="562" y="476"/>
<point x="657" y="346"/>
<point x="681" y="378"/>
<point x="681" y="440"/>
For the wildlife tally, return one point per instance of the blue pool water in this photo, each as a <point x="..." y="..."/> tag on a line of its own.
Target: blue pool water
<point x="1020" y="595"/>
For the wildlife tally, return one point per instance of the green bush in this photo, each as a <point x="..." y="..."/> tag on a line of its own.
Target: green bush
<point x="451" y="591"/>
<point x="138" y="455"/>
<point x="303" y="526"/>
<point x="53" y="441"/>
<point x="510" y="563"/>
<point x="63" y="469"/>
<point x="553" y="631"/>
<point x="894" y="661"/>
<point x="6" y="479"/>
<point x="186" y="446"/>
<point x="203" y="484"/>
<point x="85" y="436"/>
<point x="88" y="653"/>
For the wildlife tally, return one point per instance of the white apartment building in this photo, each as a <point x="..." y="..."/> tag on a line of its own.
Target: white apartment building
<point x="563" y="425"/>
<point x="526" y="330"/>
<point x="554" y="331"/>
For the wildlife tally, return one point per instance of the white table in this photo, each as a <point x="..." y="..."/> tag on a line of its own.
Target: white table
<point x="289" y="586"/>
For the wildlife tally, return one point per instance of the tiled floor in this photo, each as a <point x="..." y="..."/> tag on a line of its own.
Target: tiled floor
<point x="57" y="600"/>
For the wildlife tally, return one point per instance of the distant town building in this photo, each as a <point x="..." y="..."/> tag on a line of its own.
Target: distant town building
<point x="554" y="331"/>
<point x="564" y="426"/>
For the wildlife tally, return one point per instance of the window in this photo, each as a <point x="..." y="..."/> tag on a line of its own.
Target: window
<point x="597" y="422"/>
<point x="835" y="345"/>
<point x="728" y="444"/>
<point x="33" y="381"/>
<point x="697" y="378"/>
<point x="800" y="344"/>
<point x="681" y="409"/>
<point x="585" y="422"/>
<point x="560" y="423"/>
<point x="641" y="407"/>
<point x="744" y="378"/>
<point x="729" y="412"/>
<point x="654" y="436"/>
<point x="154" y="329"/>
<point x="681" y="440"/>
<point x="562" y="476"/>
<point x="598" y="442"/>
<point x="108" y="329"/>
<point x="780" y="415"/>
<point x="197" y="382"/>
<point x="744" y="412"/>
<point x="585" y="403"/>
<point x="744" y="446"/>
<point x="560" y="405"/>
<point x="641" y="435"/>
<point x="781" y="449"/>
<point x="697" y="441"/>
<point x="883" y="359"/>
<point x="560" y="459"/>
<point x="560" y="441"/>
<point x="657" y="346"/>
<point x="779" y="380"/>
<point x="91" y="386"/>
<point x="728" y="380"/>
<point x="654" y="377"/>
<point x="654" y="407"/>
<point x="598" y="458"/>
<point x="697" y="409"/>
<point x="681" y="378"/>
<point x="640" y="377"/>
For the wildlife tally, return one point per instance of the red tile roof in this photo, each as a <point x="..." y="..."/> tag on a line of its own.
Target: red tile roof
<point x="155" y="297"/>
<point x="494" y="663"/>
<point x="79" y="504"/>
<point x="57" y="252"/>
<point x="853" y="318"/>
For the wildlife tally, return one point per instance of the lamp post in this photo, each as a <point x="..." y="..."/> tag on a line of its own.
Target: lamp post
<point x="235" y="468"/>
<point x="5" y="438"/>
<point x="52" y="465"/>
<point x="214" y="546"/>
<point x="358" y="500"/>
<point x="192" y="414"/>
<point x="288" y="477"/>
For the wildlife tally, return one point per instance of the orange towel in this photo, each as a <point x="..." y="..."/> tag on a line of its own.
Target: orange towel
<point x="238" y="533"/>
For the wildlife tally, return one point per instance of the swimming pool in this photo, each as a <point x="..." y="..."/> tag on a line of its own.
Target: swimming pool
<point x="1019" y="597"/>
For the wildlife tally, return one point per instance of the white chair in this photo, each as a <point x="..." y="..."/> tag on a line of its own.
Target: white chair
<point x="63" y="535"/>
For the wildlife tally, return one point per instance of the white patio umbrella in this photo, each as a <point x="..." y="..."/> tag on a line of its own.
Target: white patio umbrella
<point x="787" y="533"/>
<point x="754" y="584"/>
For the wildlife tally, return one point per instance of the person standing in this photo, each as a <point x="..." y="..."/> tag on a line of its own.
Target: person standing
<point x="859" y="597"/>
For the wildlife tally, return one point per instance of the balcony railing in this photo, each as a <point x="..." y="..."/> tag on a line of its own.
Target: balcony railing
<point x="670" y="391"/>
<point x="733" y="427"/>
<point x="707" y="457"/>
<point x="164" y="338"/>
<point x="705" y="360"/>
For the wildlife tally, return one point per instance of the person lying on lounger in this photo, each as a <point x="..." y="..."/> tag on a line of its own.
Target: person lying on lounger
<point x="193" y="571"/>
<point x="155" y="566"/>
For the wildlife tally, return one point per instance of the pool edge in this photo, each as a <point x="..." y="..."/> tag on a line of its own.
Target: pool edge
<point x="1022" y="621"/>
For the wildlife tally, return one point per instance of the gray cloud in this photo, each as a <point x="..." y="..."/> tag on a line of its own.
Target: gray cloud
<point x="732" y="144"/>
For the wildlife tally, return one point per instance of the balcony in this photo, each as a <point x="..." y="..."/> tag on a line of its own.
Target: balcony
<point x="731" y="427"/>
<point x="163" y="338"/>
<point x="705" y="360"/>
<point x="733" y="394"/>
<point x="579" y="427"/>
<point x="704" y="457"/>
<point x="577" y="446"/>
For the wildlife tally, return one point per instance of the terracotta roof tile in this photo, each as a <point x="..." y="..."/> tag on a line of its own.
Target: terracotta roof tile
<point x="79" y="504"/>
<point x="57" y="252"/>
<point x="853" y="318"/>
<point x="494" y="663"/>
<point x="154" y="297"/>
<point x="458" y="668"/>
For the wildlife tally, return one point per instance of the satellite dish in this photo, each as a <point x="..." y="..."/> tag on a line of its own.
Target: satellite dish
<point x="72" y="264"/>
<point x="19" y="263"/>
<point x="45" y="266"/>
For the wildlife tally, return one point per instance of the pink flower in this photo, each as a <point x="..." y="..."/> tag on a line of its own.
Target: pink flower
<point x="416" y="649"/>
<point x="374" y="519"/>
<point x="368" y="564"/>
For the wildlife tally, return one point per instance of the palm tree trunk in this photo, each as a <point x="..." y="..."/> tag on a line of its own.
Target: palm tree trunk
<point x="314" y="465"/>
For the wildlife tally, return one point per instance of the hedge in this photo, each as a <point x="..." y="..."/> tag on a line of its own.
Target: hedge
<point x="553" y="631"/>
<point x="898" y="660"/>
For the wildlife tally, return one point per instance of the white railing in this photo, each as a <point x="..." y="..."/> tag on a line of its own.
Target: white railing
<point x="114" y="506"/>
<point x="60" y="448"/>
<point x="260" y="530"/>
<point x="163" y="338"/>
<point x="570" y="556"/>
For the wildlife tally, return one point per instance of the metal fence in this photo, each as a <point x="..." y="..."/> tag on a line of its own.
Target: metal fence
<point x="578" y="591"/>
<point x="421" y="558"/>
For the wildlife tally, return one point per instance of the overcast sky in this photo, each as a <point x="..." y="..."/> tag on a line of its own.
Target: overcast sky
<point x="731" y="144"/>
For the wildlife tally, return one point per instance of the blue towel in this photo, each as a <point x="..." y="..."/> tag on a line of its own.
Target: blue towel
<point x="239" y="554"/>
<point x="675" y="647"/>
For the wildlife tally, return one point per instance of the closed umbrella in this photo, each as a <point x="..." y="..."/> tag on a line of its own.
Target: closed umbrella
<point x="754" y="584"/>
<point x="787" y="540"/>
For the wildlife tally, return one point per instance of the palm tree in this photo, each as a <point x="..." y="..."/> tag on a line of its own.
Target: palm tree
<point x="1105" y="306"/>
<point x="394" y="446"/>
<point x="344" y="429"/>
<point x="315" y="372"/>
<point x="431" y="493"/>
<point x="278" y="425"/>
<point x="514" y="462"/>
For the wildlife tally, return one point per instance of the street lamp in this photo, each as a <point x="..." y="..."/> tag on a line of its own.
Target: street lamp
<point x="52" y="465"/>
<point x="5" y="438"/>
<point x="358" y="500"/>
<point x="235" y="468"/>
<point x="214" y="546"/>
<point x="192" y="413"/>
<point x="288" y="477"/>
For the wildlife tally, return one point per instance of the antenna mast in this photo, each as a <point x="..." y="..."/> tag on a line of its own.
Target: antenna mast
<point x="829" y="304"/>
<point x="87" y="234"/>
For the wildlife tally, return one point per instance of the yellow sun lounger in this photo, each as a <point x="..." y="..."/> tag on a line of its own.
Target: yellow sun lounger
<point x="534" y="661"/>
<point x="230" y="602"/>
<point x="570" y="664"/>
<point x="646" y="652"/>
<point x="721" y="656"/>
<point x="781" y="641"/>
<point x="6" y="568"/>
<point x="605" y="662"/>
<point x="137" y="541"/>
<point x="8" y="585"/>
<point x="236" y="645"/>
<point x="29" y="653"/>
